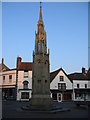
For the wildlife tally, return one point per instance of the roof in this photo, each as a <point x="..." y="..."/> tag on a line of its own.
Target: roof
<point x="3" y="67"/>
<point x="25" y="66"/>
<point x="79" y="76"/>
<point x="54" y="74"/>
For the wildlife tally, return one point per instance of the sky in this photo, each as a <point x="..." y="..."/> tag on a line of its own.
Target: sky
<point x="66" y="26"/>
<point x="89" y="35"/>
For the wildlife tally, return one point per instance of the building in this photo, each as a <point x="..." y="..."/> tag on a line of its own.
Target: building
<point x="17" y="83"/>
<point x="7" y="81"/>
<point x="81" y="84"/>
<point x="63" y="87"/>
<point x="24" y="79"/>
<point x="60" y="86"/>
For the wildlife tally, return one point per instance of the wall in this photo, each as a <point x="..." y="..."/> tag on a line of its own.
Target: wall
<point x="7" y="82"/>
<point x="56" y="80"/>
<point x="21" y="79"/>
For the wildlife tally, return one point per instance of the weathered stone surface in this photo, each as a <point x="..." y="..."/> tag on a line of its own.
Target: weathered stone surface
<point x="40" y="69"/>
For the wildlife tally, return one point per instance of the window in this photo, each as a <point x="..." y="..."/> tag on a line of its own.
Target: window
<point x="26" y="74"/>
<point x="61" y="86"/>
<point x="77" y="85"/>
<point x="25" y="95"/>
<point x="85" y="85"/>
<point x="25" y="85"/>
<point x="10" y="78"/>
<point x="3" y="79"/>
<point x="54" y="96"/>
<point x="61" y="78"/>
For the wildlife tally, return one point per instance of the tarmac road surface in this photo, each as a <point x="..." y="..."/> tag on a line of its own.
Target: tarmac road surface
<point x="12" y="109"/>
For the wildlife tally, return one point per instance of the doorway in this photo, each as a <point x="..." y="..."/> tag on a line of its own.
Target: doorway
<point x="59" y="97"/>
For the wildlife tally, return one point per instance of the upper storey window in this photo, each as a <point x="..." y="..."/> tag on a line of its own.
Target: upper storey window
<point x="61" y="78"/>
<point x="78" y="86"/>
<point x="25" y="85"/>
<point x="3" y="78"/>
<point x="85" y="85"/>
<point x="26" y="74"/>
<point x="10" y="78"/>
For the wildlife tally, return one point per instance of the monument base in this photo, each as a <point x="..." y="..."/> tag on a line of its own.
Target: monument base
<point x="41" y="101"/>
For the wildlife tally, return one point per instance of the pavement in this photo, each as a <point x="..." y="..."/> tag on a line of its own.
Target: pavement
<point x="12" y="109"/>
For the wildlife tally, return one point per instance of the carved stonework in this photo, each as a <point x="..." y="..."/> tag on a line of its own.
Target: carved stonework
<point x="40" y="70"/>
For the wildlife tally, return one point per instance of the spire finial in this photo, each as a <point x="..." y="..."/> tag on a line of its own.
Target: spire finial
<point x="40" y="17"/>
<point x="40" y="4"/>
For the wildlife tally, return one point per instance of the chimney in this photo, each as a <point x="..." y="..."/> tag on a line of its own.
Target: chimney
<point x="83" y="70"/>
<point x="88" y="73"/>
<point x="2" y="60"/>
<point x="18" y="61"/>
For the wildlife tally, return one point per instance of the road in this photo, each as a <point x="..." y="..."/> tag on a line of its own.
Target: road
<point x="12" y="109"/>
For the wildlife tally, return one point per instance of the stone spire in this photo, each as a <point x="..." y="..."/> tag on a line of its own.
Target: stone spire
<point x="40" y="69"/>
<point x="40" y="16"/>
<point x="40" y="36"/>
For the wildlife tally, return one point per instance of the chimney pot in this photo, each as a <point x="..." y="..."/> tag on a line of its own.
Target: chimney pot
<point x="2" y="60"/>
<point x="83" y="70"/>
<point x="18" y="61"/>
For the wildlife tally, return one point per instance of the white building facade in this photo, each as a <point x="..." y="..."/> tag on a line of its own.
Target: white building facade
<point x="60" y="86"/>
<point x="81" y="86"/>
<point x="24" y="80"/>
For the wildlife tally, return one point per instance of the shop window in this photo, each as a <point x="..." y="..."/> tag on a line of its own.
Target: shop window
<point x="25" y="95"/>
<point x="54" y="96"/>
